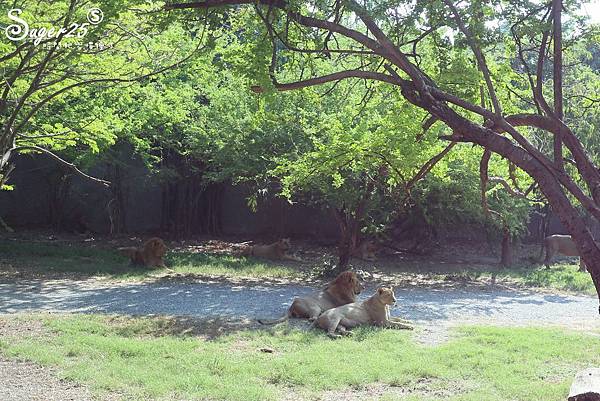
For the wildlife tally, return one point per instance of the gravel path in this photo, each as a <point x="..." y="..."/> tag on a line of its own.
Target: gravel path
<point x="231" y="300"/>
<point x="432" y="309"/>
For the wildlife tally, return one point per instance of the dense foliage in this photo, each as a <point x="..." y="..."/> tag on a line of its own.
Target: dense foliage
<point x="344" y="145"/>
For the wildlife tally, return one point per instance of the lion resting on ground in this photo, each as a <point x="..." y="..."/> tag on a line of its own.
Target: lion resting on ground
<point x="366" y="251"/>
<point x="374" y="311"/>
<point x="151" y="254"/>
<point x="277" y="251"/>
<point x="342" y="290"/>
<point x="564" y="245"/>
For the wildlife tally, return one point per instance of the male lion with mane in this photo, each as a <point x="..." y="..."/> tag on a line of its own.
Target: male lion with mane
<point x="342" y="290"/>
<point x="151" y="254"/>
<point x="374" y="311"/>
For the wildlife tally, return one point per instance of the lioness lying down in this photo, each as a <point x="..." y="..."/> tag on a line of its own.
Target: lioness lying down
<point x="342" y="290"/>
<point x="374" y="311"/>
<point x="366" y="251"/>
<point x="277" y="251"/>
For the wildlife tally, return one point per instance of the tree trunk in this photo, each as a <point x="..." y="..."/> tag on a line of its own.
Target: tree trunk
<point x="344" y="244"/>
<point x="507" y="248"/>
<point x="116" y="206"/>
<point x="350" y="223"/>
<point x="468" y="131"/>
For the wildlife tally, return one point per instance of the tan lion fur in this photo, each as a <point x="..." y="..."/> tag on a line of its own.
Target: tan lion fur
<point x="275" y="251"/>
<point x="151" y="254"/>
<point x="564" y="245"/>
<point x="366" y="251"/>
<point x="340" y="291"/>
<point x="374" y="311"/>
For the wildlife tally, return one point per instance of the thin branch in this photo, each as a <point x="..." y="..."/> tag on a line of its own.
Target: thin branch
<point x="539" y="93"/>
<point x="483" y="67"/>
<point x="557" y="78"/>
<point x="430" y="164"/>
<point x="483" y="179"/>
<point x="61" y="161"/>
<point x="301" y="19"/>
<point x="42" y="102"/>
<point x="393" y="53"/>
<point x="336" y="76"/>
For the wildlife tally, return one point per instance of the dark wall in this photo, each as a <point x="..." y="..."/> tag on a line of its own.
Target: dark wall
<point x="40" y="200"/>
<point x="27" y="205"/>
<point x="273" y="217"/>
<point x="37" y="197"/>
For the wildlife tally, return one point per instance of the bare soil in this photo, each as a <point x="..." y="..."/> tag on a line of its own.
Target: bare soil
<point x="26" y="381"/>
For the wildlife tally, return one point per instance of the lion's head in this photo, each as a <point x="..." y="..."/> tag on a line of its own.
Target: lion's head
<point x="348" y="283"/>
<point x="155" y="246"/>
<point x="368" y="251"/>
<point x="284" y="244"/>
<point x="386" y="295"/>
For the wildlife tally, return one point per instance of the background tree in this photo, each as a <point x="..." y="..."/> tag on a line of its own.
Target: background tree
<point x="55" y="65"/>
<point x="398" y="40"/>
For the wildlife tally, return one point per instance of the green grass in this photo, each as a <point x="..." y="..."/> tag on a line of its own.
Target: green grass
<point x="142" y="360"/>
<point x="562" y="276"/>
<point x="95" y="261"/>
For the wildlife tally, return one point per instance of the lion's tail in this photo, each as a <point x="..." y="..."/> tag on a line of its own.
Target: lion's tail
<point x="282" y="319"/>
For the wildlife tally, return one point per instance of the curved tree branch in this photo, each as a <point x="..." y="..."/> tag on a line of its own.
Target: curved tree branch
<point x="61" y="161"/>
<point x="482" y="64"/>
<point x="336" y="76"/>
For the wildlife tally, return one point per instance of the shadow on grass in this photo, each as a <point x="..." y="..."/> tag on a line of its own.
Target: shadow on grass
<point x="48" y="258"/>
<point x="20" y="259"/>
<point x="178" y="326"/>
<point x="201" y="263"/>
<point x="561" y="276"/>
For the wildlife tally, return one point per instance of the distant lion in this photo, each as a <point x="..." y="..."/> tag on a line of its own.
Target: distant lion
<point x="564" y="245"/>
<point x="276" y="251"/>
<point x="366" y="251"/>
<point x="342" y="290"/>
<point x="151" y="254"/>
<point x="374" y="311"/>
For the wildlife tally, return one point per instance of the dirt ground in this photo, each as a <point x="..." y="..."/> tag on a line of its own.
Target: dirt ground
<point x="448" y="262"/>
<point x="444" y="266"/>
<point x="26" y="381"/>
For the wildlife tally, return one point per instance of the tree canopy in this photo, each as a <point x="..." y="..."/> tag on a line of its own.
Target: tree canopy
<point x="481" y="108"/>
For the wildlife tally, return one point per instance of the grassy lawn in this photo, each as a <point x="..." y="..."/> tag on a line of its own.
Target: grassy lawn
<point x="560" y="276"/>
<point x="95" y="261"/>
<point x="142" y="360"/>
